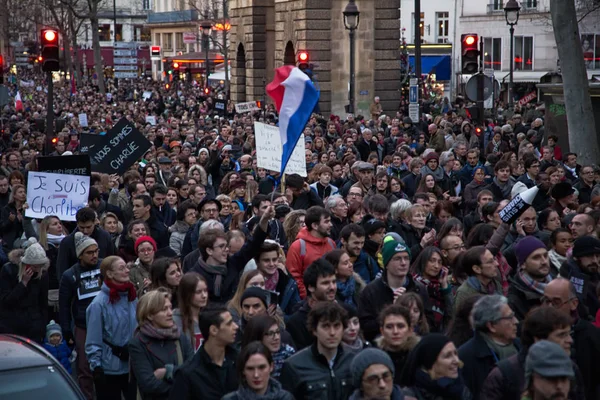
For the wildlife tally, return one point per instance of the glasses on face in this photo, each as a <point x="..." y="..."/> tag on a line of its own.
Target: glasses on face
<point x="374" y="379"/>
<point x="272" y="334"/>
<point x="556" y="303"/>
<point x="355" y="195"/>
<point x="507" y="318"/>
<point x="457" y="247"/>
<point x="221" y="246"/>
<point x="146" y="251"/>
<point x="211" y="210"/>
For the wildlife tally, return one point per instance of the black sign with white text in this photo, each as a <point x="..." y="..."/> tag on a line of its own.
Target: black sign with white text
<point x="69" y="165"/>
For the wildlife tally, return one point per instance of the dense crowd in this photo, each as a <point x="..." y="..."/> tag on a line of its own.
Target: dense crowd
<point x="386" y="273"/>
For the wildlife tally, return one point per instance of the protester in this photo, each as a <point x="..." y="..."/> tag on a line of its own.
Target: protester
<point x="373" y="375"/>
<point x="192" y="299"/>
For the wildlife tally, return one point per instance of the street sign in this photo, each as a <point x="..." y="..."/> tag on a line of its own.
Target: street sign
<point x="126" y="68"/>
<point x="489" y="102"/>
<point x="413" y="94"/>
<point x="125" y="53"/>
<point x="489" y="87"/>
<point x="125" y="45"/>
<point x="413" y="82"/>
<point x="189" y="37"/>
<point x="126" y="75"/>
<point x="413" y="112"/>
<point x="126" y="61"/>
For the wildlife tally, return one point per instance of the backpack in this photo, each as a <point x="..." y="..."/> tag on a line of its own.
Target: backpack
<point x="303" y="247"/>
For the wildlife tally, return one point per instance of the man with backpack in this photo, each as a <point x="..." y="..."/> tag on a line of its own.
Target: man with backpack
<point x="312" y="243"/>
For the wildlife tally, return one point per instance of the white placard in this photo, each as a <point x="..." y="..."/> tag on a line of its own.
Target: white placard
<point x="146" y="95"/>
<point x="56" y="194"/>
<point x="250" y="106"/>
<point x="151" y="119"/>
<point x="83" y="122"/>
<point x="413" y="112"/>
<point x="269" y="150"/>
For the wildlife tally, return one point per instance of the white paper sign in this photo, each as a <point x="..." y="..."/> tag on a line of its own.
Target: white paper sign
<point x="250" y="106"/>
<point x="269" y="150"/>
<point x="56" y="194"/>
<point x="83" y="120"/>
<point x="151" y="119"/>
<point x="146" y="95"/>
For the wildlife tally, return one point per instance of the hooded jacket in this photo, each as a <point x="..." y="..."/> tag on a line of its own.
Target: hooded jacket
<point x="178" y="231"/>
<point x="472" y="140"/>
<point x="585" y="286"/>
<point x="296" y="262"/>
<point x="296" y="326"/>
<point x="398" y="355"/>
<point x="66" y="251"/>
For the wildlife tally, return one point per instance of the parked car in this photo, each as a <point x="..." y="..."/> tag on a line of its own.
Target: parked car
<point x="28" y="371"/>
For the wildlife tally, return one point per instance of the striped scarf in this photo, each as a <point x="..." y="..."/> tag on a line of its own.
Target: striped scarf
<point x="536" y="286"/>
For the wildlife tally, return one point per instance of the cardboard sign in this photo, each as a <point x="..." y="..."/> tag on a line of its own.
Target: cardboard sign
<point x="151" y="119"/>
<point x="83" y="120"/>
<point x="56" y="194"/>
<point x="147" y="95"/>
<point x="250" y="106"/>
<point x="121" y="147"/>
<point x="70" y="165"/>
<point x="220" y="107"/>
<point x="269" y="150"/>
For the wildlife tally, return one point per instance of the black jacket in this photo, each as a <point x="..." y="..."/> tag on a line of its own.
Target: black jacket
<point x="66" y="251"/>
<point x="521" y="298"/>
<point x="296" y="326"/>
<point x="377" y="295"/>
<point x="585" y="286"/>
<point x="202" y="379"/>
<point x="306" y="200"/>
<point x="274" y="392"/>
<point x="307" y="375"/>
<point x="158" y="231"/>
<point x="9" y="230"/>
<point x="364" y="148"/>
<point x="586" y="353"/>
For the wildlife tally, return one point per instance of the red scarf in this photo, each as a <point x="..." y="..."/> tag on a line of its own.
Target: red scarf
<point x="117" y="288"/>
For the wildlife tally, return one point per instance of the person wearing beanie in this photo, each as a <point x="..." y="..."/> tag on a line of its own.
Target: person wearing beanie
<point x="24" y="292"/>
<point x="139" y="271"/>
<point x="394" y="282"/>
<point x="548" y="372"/>
<point x="79" y="285"/>
<point x="373" y="376"/>
<point x="433" y="370"/>
<point x="527" y="288"/>
<point x="55" y="345"/>
<point x="583" y="270"/>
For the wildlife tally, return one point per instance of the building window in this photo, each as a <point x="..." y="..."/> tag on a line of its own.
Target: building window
<point x="179" y="41"/>
<point x="443" y="20"/>
<point x="157" y="40"/>
<point x="523" y="53"/>
<point x="590" y="44"/>
<point x="142" y="33"/>
<point x="492" y="53"/>
<point x="119" y="35"/>
<point x="497" y="5"/>
<point x="421" y="27"/>
<point x="146" y="5"/>
<point x="168" y="41"/>
<point x="529" y="3"/>
<point x="104" y="33"/>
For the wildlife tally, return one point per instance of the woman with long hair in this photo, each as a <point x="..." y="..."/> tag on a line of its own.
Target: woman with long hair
<point x="292" y="224"/>
<point x="192" y="299"/>
<point x="427" y="184"/>
<point x="111" y="323"/>
<point x="349" y="283"/>
<point x="414" y="303"/>
<point x="186" y="218"/>
<point x="158" y="347"/>
<point x="254" y="367"/>
<point x="111" y="224"/>
<point x="166" y="273"/>
<point x="267" y="330"/>
<point x="11" y="218"/>
<point x="227" y="180"/>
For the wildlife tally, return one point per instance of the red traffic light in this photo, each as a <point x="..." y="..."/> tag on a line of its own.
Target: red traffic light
<point x="303" y="56"/>
<point x="54" y="140"/>
<point x="175" y="65"/>
<point x="40" y="58"/>
<point x="470" y="40"/>
<point x="167" y="86"/>
<point x="206" y="90"/>
<point x="50" y="35"/>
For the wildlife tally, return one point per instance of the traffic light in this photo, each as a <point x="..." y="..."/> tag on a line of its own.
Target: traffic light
<point x="175" y="70"/>
<point x="206" y="91"/>
<point x="54" y="141"/>
<point x="303" y="60"/>
<point x="50" y="50"/>
<point x="470" y="53"/>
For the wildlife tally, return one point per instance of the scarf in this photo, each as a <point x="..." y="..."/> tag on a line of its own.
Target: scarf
<point x="446" y="388"/>
<point x="556" y="260"/>
<point x="117" y="288"/>
<point x="54" y="239"/>
<point x="572" y="170"/>
<point x="504" y="188"/>
<point x="438" y="174"/>
<point x="346" y="290"/>
<point x="357" y="345"/>
<point x="501" y="351"/>
<point x="274" y="392"/>
<point x="271" y="282"/>
<point x="536" y="286"/>
<point x="158" y="333"/>
<point x="476" y="284"/>
<point x="496" y="146"/>
<point x="220" y="271"/>
<point x="434" y="290"/>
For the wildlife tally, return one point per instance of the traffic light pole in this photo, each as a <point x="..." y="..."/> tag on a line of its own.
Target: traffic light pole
<point x="418" y="40"/>
<point x="480" y="85"/>
<point x="352" y="73"/>
<point x="49" y="113"/>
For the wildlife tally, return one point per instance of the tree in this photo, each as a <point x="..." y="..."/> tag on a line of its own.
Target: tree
<point x="578" y="103"/>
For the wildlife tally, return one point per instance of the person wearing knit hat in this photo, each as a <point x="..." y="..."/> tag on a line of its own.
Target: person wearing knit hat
<point x="392" y="247"/>
<point x="529" y="283"/>
<point x="373" y="376"/>
<point x="432" y="370"/>
<point x="145" y="247"/>
<point x="82" y="242"/>
<point x="548" y="371"/>
<point x="56" y="346"/>
<point x="254" y="301"/>
<point x="34" y="258"/>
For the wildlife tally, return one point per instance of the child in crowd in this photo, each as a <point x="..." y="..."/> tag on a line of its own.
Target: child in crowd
<point x="56" y="346"/>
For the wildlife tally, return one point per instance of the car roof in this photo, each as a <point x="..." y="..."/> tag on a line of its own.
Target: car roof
<point x="18" y="353"/>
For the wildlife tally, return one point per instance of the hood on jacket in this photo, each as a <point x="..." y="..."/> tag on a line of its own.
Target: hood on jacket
<point x="179" y="227"/>
<point x="465" y="123"/>
<point x="304" y="234"/>
<point x="409" y="344"/>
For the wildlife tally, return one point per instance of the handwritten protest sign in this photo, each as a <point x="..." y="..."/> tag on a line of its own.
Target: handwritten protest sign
<point x="56" y="194"/>
<point x="250" y="106"/>
<point x="123" y="145"/>
<point x="151" y="119"/>
<point x="83" y="121"/>
<point x="78" y="164"/>
<point x="269" y="150"/>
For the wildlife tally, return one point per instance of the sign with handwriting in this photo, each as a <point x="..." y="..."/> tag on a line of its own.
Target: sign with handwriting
<point x="56" y="194"/>
<point x="269" y="150"/>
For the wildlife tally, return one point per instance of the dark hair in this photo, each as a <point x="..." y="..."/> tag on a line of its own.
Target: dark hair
<point x="555" y="233"/>
<point x="266" y="248"/>
<point x="567" y="155"/>
<point x="488" y="210"/>
<point x="248" y="351"/>
<point x="420" y="196"/>
<point x="502" y="164"/>
<point x="259" y="198"/>
<point x="349" y="229"/>
<point x="529" y="160"/>
<point x="418" y="266"/>
<point x="544" y="215"/>
<point x="448" y="226"/>
<point x="326" y="311"/>
<point x="158" y="188"/>
<point x="459" y="329"/>
<point x="314" y="215"/>
<point x="334" y="256"/>
<point x="210" y="316"/>
<point x="443" y="205"/>
<point x="256" y="328"/>
<point x="207" y="240"/>
<point x="480" y="235"/>
<point x="183" y="208"/>
<point x="354" y="209"/>
<point x="318" y="269"/>
<point x="185" y="292"/>
<point x="85" y="214"/>
<point x="158" y="271"/>
<point x="94" y="194"/>
<point x="132" y="186"/>
<point x="294" y="181"/>
<point x="138" y="222"/>
<point x="378" y="204"/>
<point x="541" y="322"/>
<point x="407" y="300"/>
<point x="394" y="309"/>
<point x="145" y="199"/>
<point x="471" y="258"/>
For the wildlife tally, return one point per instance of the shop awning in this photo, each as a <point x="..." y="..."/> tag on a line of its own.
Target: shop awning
<point x="525" y="76"/>
<point x="441" y="66"/>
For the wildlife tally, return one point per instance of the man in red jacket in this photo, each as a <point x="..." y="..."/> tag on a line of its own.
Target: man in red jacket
<point x="311" y="244"/>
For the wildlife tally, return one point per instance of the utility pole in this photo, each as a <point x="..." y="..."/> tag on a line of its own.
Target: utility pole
<point x="49" y="113"/>
<point x="418" y="39"/>
<point x="115" y="37"/>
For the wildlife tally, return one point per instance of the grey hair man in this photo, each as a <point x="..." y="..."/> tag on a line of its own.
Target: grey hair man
<point x="338" y="208"/>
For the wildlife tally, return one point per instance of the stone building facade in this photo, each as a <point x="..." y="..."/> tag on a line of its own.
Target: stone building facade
<point x="266" y="34"/>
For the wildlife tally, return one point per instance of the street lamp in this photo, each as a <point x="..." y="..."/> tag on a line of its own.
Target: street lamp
<point x="206" y="26"/>
<point x="351" y="20"/>
<point x="511" y="13"/>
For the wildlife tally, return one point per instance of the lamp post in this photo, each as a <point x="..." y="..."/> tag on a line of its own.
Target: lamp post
<point x="206" y="26"/>
<point x="351" y="20"/>
<point x="511" y="13"/>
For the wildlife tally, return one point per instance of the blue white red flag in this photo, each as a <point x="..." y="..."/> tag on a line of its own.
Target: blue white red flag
<point x="295" y="98"/>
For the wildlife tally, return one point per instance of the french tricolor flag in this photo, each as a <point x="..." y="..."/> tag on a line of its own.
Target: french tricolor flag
<point x="18" y="102"/>
<point x="295" y="98"/>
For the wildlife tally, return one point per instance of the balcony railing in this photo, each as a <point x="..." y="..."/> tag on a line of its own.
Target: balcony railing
<point x="173" y="17"/>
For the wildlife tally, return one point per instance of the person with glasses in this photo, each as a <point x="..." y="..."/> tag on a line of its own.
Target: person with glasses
<point x="586" y="184"/>
<point x="562" y="295"/>
<point x="139" y="270"/>
<point x="495" y="339"/>
<point x="209" y="209"/>
<point x="338" y="208"/>
<point x="355" y="196"/>
<point x="373" y="375"/>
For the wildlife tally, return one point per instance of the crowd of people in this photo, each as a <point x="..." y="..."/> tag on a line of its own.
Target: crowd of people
<point x="386" y="273"/>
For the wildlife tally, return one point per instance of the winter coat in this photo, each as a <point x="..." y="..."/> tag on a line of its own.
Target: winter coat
<point x="235" y="265"/>
<point x="289" y="295"/>
<point x="78" y="287"/>
<point x="66" y="251"/>
<point x="410" y="182"/>
<point x="148" y="354"/>
<point x="178" y="231"/>
<point x="112" y="323"/>
<point x="201" y="379"/>
<point x="9" y="230"/>
<point x="521" y="298"/>
<point x="61" y="352"/>
<point x="296" y="326"/>
<point x="138" y="272"/>
<point x="158" y="231"/>
<point x="585" y="286"/>
<point x="586" y="353"/>
<point x="379" y="294"/>
<point x="472" y="140"/>
<point x="23" y="309"/>
<point x="437" y="142"/>
<point x="330" y="190"/>
<point x="399" y="355"/>
<point x="471" y="192"/>
<point x="420" y="393"/>
<point x="296" y="263"/>
<point x="306" y="200"/>
<point x="468" y="289"/>
<point x="308" y="375"/>
<point x="274" y="392"/>
<point x="397" y="394"/>
<point x="118" y="198"/>
<point x="365" y="148"/>
<point x="166" y="215"/>
<point x="197" y="339"/>
<point x="366" y="267"/>
<point x="359" y="286"/>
